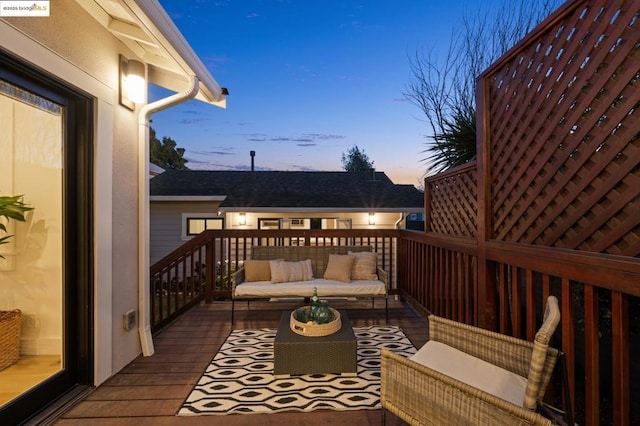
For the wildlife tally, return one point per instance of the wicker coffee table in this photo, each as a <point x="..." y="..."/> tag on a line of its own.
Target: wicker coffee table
<point x="333" y="354"/>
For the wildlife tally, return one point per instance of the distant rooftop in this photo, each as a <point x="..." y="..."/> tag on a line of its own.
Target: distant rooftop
<point x="286" y="189"/>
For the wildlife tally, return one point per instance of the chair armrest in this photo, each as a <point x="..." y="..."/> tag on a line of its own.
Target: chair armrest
<point x="236" y="279"/>
<point x="383" y="276"/>
<point x="420" y="395"/>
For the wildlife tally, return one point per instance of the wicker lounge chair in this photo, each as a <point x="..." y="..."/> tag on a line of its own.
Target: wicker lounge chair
<point x="423" y="396"/>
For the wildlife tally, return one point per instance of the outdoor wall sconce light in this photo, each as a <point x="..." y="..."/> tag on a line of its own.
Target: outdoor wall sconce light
<point x="372" y="218"/>
<point x="132" y="82"/>
<point x="242" y="219"/>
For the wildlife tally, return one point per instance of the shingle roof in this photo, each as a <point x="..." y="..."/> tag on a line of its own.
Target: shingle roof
<point x="284" y="189"/>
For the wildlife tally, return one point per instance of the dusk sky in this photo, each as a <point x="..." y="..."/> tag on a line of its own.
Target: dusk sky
<point x="308" y="79"/>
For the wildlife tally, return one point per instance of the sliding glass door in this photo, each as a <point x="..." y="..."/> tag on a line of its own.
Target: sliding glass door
<point x="45" y="263"/>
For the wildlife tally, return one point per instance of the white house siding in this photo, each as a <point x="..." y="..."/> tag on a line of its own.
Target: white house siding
<point x="359" y="220"/>
<point x="167" y="220"/>
<point x="166" y="223"/>
<point x="76" y="49"/>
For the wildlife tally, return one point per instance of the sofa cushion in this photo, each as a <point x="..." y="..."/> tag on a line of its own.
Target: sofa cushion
<point x="283" y="271"/>
<point x="326" y="288"/>
<point x="257" y="270"/>
<point x="472" y="371"/>
<point x="339" y="267"/>
<point x="364" y="265"/>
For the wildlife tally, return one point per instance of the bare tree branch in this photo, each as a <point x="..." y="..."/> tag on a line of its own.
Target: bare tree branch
<point x="444" y="89"/>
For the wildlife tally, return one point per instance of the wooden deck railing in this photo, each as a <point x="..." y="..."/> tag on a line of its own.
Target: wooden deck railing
<point x="184" y="278"/>
<point x="178" y="281"/>
<point x="439" y="274"/>
<point x="600" y="306"/>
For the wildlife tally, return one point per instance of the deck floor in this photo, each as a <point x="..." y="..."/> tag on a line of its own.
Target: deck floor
<point x="150" y="390"/>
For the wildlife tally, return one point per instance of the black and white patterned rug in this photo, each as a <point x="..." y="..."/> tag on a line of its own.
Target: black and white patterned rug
<point x="240" y="378"/>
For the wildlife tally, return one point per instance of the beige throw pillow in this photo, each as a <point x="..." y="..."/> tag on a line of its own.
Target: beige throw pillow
<point x="257" y="270"/>
<point x="364" y="265"/>
<point x="284" y="272"/>
<point x="339" y="267"/>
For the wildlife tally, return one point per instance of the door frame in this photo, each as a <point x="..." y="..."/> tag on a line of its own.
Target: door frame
<point x="78" y="237"/>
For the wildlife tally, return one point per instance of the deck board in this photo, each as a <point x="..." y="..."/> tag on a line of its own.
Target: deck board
<point x="150" y="390"/>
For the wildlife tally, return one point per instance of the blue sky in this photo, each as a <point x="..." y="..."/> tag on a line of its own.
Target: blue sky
<point x="308" y="79"/>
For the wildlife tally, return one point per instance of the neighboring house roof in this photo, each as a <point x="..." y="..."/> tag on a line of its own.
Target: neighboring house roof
<point x="246" y="190"/>
<point x="145" y="28"/>
<point x="155" y="170"/>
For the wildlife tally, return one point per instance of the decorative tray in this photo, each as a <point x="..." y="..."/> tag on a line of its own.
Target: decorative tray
<point x="311" y="329"/>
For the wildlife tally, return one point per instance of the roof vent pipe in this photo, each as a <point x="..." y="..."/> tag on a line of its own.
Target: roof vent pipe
<point x="253" y="154"/>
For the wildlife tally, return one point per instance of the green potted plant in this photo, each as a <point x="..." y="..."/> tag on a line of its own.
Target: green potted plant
<point x="11" y="207"/>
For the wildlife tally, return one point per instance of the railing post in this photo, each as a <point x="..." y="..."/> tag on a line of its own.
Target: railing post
<point x="210" y="271"/>
<point x="621" y="377"/>
<point x="427" y="206"/>
<point x="486" y="304"/>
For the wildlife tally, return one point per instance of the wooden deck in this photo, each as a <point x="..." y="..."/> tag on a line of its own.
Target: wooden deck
<point x="150" y="390"/>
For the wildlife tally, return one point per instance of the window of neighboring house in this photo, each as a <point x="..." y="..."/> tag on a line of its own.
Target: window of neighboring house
<point x="193" y="225"/>
<point x="287" y="223"/>
<point x="268" y="223"/>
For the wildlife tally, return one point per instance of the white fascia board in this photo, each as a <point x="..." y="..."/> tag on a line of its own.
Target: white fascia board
<point x="183" y="198"/>
<point x="320" y="210"/>
<point x="155" y="20"/>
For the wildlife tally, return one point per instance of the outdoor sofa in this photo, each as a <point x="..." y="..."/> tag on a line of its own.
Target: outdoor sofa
<point x="293" y="271"/>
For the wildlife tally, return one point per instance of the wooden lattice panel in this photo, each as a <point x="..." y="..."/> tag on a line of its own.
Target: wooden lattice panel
<point x="452" y="203"/>
<point x="564" y="127"/>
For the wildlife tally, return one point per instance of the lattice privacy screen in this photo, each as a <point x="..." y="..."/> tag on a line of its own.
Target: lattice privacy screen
<point x="564" y="133"/>
<point x="453" y="208"/>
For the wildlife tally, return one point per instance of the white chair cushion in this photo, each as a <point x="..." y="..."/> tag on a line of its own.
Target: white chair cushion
<point x="472" y="371"/>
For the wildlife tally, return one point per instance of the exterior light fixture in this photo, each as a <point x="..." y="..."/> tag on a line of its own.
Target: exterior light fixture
<point x="132" y="82"/>
<point x="372" y="218"/>
<point x="242" y="219"/>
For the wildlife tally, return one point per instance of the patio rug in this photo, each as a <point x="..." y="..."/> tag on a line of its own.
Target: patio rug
<point x="240" y="378"/>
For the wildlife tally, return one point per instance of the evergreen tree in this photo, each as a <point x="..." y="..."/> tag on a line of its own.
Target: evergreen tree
<point x="355" y="160"/>
<point x="165" y="153"/>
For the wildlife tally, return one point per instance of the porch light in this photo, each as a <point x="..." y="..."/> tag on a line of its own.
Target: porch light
<point x="242" y="219"/>
<point x="372" y="218"/>
<point x="132" y="82"/>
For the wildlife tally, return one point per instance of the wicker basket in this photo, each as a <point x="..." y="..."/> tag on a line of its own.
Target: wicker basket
<point x="315" y="330"/>
<point x="10" y="322"/>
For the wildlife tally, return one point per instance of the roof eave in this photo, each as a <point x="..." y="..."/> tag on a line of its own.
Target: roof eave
<point x="186" y="198"/>
<point x="145" y="28"/>
<point x="156" y="20"/>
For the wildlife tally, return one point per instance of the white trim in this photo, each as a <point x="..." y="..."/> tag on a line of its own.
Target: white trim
<point x="155" y="20"/>
<point x="144" y="27"/>
<point x="31" y="50"/>
<point x="182" y="198"/>
<point x="319" y="210"/>
<point x="22" y="46"/>
<point x="103" y="246"/>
